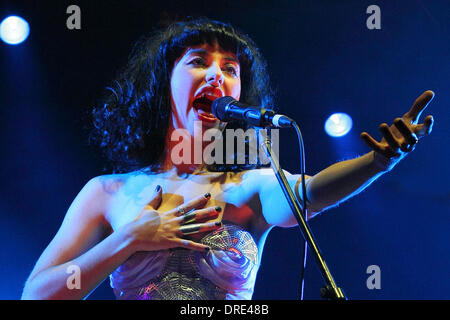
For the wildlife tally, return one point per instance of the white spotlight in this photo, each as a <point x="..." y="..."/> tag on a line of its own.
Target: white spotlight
<point x="14" y="30"/>
<point x="338" y="124"/>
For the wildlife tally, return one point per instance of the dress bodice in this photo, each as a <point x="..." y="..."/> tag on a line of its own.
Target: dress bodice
<point x="228" y="271"/>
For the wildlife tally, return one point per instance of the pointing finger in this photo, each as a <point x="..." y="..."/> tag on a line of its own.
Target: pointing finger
<point x="419" y="105"/>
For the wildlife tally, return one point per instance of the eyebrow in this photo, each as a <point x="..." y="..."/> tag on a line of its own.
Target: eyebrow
<point x="204" y="52"/>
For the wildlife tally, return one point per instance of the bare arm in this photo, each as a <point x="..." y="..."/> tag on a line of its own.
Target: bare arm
<point x="324" y="190"/>
<point x="79" y="242"/>
<point x="345" y="179"/>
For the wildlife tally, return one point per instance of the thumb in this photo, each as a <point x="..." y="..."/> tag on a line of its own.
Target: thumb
<point x="155" y="202"/>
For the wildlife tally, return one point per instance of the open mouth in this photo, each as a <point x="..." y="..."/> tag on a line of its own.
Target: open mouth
<point x="203" y="107"/>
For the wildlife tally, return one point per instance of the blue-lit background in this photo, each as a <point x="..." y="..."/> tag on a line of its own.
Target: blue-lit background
<point x="322" y="60"/>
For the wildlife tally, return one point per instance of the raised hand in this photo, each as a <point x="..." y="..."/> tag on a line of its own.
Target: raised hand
<point x="401" y="138"/>
<point x="152" y="230"/>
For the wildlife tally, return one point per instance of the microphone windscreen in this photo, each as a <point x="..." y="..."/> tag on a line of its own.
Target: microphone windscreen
<point x="219" y="105"/>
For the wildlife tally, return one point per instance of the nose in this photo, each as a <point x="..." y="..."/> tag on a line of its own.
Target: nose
<point x="214" y="75"/>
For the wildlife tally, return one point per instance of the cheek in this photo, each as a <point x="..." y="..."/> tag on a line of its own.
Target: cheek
<point x="236" y="90"/>
<point x="182" y="82"/>
<point x="232" y="88"/>
<point x="179" y="85"/>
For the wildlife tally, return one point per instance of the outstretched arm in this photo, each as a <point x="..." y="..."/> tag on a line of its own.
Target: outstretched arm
<point x="345" y="179"/>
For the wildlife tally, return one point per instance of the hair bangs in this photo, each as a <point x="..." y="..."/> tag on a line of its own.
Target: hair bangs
<point x="209" y="32"/>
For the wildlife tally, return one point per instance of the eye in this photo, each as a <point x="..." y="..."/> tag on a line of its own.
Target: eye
<point x="231" y="69"/>
<point x="198" y="61"/>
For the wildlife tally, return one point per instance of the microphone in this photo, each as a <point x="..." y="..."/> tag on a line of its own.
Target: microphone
<point x="227" y="108"/>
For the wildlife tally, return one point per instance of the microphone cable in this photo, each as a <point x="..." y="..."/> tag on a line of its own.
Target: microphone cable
<point x="303" y="203"/>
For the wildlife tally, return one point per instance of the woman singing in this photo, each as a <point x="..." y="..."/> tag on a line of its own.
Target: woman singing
<point x="165" y="229"/>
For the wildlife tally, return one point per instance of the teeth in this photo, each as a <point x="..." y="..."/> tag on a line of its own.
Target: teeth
<point x="208" y="95"/>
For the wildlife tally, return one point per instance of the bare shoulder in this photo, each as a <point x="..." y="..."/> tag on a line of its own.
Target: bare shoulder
<point x="90" y="208"/>
<point x="98" y="192"/>
<point x="110" y="184"/>
<point x="84" y="224"/>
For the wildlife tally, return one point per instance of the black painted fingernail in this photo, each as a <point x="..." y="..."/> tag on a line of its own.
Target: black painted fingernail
<point x="207" y="195"/>
<point x="218" y="224"/>
<point x="218" y="209"/>
<point x="207" y="249"/>
<point x="158" y="187"/>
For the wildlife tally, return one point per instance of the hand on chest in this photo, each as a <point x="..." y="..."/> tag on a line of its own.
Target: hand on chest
<point x="227" y="190"/>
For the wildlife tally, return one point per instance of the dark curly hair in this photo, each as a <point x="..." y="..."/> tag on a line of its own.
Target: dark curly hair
<point x="131" y="121"/>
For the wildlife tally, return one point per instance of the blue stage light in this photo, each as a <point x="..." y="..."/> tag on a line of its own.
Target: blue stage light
<point x="14" y="30"/>
<point x="338" y="124"/>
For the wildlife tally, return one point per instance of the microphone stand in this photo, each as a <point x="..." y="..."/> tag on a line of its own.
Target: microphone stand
<point x="330" y="291"/>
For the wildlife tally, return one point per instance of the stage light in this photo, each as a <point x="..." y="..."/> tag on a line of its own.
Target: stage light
<point x="14" y="30"/>
<point x="338" y="124"/>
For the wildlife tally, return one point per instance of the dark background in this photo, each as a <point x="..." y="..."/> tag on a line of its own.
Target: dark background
<point x="322" y="59"/>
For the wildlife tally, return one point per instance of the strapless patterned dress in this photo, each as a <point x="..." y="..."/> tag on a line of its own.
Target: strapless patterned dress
<point x="227" y="272"/>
